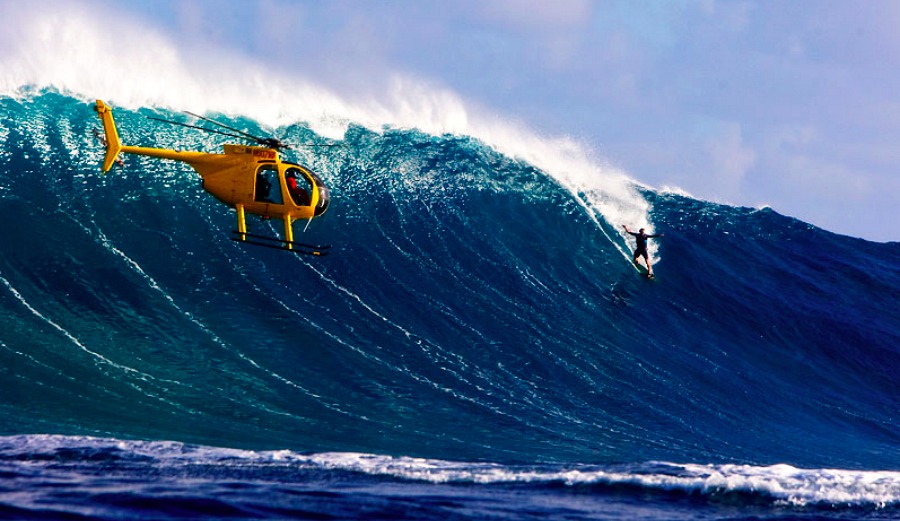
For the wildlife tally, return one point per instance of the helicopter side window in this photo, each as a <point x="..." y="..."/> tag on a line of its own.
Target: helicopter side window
<point x="268" y="190"/>
<point x="299" y="186"/>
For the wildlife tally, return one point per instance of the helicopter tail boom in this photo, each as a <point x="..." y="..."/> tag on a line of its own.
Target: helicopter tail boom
<point x="111" y="135"/>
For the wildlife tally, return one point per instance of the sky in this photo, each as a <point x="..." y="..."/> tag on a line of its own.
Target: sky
<point x="789" y="104"/>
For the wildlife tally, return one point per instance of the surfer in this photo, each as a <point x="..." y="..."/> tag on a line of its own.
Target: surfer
<point x="640" y="250"/>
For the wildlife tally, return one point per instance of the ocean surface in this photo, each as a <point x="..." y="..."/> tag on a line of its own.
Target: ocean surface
<point x="477" y="345"/>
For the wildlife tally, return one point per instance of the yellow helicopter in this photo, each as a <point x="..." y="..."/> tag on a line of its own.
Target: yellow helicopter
<point x="251" y="179"/>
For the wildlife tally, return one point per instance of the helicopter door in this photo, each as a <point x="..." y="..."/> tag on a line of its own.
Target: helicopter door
<point x="268" y="189"/>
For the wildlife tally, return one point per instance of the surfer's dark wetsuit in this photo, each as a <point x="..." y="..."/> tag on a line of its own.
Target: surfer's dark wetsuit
<point x="640" y="239"/>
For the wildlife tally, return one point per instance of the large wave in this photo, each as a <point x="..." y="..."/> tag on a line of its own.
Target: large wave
<point x="471" y="309"/>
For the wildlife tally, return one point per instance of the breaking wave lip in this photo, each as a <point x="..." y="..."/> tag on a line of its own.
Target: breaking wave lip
<point x="59" y="51"/>
<point x="778" y="485"/>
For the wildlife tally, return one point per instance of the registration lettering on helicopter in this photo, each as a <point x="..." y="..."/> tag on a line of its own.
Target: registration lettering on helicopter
<point x="261" y="153"/>
<point x="264" y="153"/>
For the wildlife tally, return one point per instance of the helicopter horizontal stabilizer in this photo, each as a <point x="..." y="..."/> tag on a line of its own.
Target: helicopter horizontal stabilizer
<point x="111" y="136"/>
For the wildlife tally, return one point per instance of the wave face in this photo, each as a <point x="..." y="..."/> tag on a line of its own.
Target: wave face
<point x="473" y="308"/>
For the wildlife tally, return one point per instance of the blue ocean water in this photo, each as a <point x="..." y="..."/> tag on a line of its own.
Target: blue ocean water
<point x="477" y="344"/>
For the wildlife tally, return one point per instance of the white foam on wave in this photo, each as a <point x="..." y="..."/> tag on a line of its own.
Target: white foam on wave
<point x="796" y="486"/>
<point x="781" y="484"/>
<point x="92" y="51"/>
<point x="784" y="484"/>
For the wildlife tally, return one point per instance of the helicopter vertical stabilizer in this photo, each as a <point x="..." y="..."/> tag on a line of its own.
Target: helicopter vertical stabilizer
<point x="111" y="139"/>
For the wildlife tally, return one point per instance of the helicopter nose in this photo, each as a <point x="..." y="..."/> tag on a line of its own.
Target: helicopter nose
<point x="324" y="200"/>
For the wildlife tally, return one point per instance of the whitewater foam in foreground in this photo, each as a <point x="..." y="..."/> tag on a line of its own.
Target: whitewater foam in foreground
<point x="782" y="484"/>
<point x="777" y="485"/>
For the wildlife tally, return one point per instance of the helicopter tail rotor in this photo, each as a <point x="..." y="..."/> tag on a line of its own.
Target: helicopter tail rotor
<point x="111" y="136"/>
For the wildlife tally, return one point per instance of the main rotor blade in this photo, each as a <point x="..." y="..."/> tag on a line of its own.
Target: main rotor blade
<point x="214" y="122"/>
<point x="196" y="127"/>
<point x="270" y="142"/>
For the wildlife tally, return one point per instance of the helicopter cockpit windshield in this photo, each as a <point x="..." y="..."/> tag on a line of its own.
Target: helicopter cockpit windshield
<point x="324" y="195"/>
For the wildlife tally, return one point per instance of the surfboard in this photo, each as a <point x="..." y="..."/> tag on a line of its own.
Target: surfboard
<point x="643" y="271"/>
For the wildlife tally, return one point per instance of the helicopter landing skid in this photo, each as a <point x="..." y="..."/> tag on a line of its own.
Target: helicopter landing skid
<point x="319" y="250"/>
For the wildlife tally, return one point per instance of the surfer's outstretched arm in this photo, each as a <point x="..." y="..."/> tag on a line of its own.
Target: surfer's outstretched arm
<point x="629" y="232"/>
